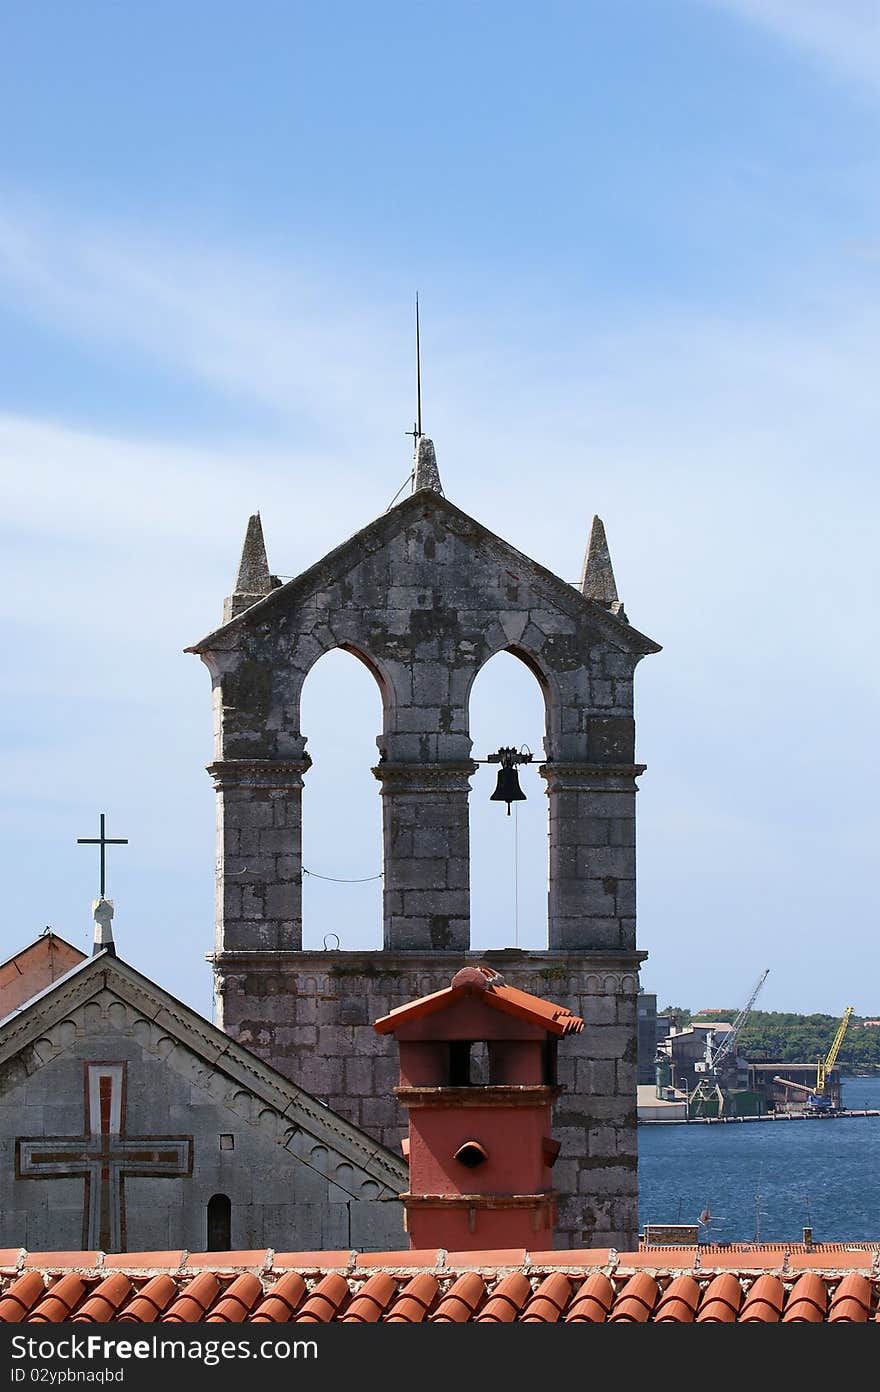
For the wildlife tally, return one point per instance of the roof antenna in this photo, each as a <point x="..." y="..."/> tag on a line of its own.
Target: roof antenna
<point x="416" y="431"/>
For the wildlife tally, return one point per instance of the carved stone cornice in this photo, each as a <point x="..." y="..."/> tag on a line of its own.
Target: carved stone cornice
<point x="258" y="773"/>
<point x="425" y="778"/>
<point x="492" y="1095"/>
<point x="545" y="1199"/>
<point x="590" y="777"/>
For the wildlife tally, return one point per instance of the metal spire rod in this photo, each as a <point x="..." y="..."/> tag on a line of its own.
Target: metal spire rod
<point x="418" y="369"/>
<point x="416" y="431"/>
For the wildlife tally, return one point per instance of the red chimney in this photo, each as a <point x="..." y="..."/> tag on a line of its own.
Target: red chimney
<point x="478" y="1077"/>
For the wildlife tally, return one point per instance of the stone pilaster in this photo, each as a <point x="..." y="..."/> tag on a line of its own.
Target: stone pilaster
<point x="592" y="857"/>
<point x="427" y="874"/>
<point x="259" y="853"/>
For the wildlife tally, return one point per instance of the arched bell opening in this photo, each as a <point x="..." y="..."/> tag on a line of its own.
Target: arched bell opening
<point x="508" y="706"/>
<point x="341" y="808"/>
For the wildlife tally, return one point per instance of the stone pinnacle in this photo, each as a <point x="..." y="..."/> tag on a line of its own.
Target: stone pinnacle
<point x="253" y="568"/>
<point x="253" y="580"/>
<point x="597" y="578"/>
<point x="427" y="475"/>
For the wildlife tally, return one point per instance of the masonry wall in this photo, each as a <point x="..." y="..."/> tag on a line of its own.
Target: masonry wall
<point x="310" y="1015"/>
<point x="279" y="1198"/>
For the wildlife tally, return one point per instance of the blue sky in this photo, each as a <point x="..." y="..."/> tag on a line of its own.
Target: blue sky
<point x="646" y="238"/>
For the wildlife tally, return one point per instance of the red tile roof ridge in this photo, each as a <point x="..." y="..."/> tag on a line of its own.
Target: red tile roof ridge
<point x="315" y="1261"/>
<point x="86" y="1263"/>
<point x="146" y="1263"/>
<point x="254" y="1260"/>
<point x="403" y="1263"/>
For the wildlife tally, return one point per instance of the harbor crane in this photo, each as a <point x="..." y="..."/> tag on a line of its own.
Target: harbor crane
<point x="819" y="1101"/>
<point x="708" y="1087"/>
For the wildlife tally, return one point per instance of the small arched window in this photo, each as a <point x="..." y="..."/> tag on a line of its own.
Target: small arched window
<point x="219" y="1223"/>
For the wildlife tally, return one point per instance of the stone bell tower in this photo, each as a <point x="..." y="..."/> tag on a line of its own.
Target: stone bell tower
<point x="425" y="596"/>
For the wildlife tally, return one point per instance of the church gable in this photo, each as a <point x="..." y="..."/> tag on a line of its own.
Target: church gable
<point x="128" y="1123"/>
<point x="409" y="547"/>
<point x="424" y="595"/>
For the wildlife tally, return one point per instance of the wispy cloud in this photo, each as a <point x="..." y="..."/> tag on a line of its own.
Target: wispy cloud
<point x="283" y="338"/>
<point x="732" y="458"/>
<point x="842" y="34"/>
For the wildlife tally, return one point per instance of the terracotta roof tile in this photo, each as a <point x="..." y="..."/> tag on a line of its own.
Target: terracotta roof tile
<point x="325" y="1301"/>
<point x="763" y="1302"/>
<point x="678" y="1303"/>
<point x="508" y="1286"/>
<point x="721" y="1300"/>
<point x="237" y="1300"/>
<point x="807" y="1300"/>
<point x="558" y="1019"/>
<point x="430" y="1257"/>
<point x="280" y="1303"/>
<point x="21" y="1297"/>
<point x="312" y="1261"/>
<point x="573" y="1259"/>
<point x="592" y="1300"/>
<point x="372" y="1298"/>
<point x="61" y="1261"/>
<point x="461" y="1300"/>
<point x="228" y="1261"/>
<point x="107" y="1297"/>
<point x="549" y="1300"/>
<point x="657" y="1259"/>
<point x="753" y="1261"/>
<point x="414" y="1301"/>
<point x="195" y="1300"/>
<point x="831" y="1259"/>
<point x="636" y="1300"/>
<point x="9" y="1257"/>
<point x="851" y="1301"/>
<point x="506" y="1300"/>
<point x="60" y="1300"/>
<point x="144" y="1261"/>
<point x="151" y="1300"/>
<point x="488" y="1261"/>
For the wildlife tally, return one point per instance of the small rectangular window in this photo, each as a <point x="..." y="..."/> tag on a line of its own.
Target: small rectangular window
<point x="227" y="1140"/>
<point x="551" y="1076"/>
<point x="460" y="1063"/>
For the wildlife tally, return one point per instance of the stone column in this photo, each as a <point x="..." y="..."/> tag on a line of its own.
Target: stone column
<point x="427" y="855"/>
<point x="592" y="861"/>
<point x="259" y="853"/>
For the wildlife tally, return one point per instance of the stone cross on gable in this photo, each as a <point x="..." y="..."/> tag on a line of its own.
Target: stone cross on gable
<point x="104" y="1156"/>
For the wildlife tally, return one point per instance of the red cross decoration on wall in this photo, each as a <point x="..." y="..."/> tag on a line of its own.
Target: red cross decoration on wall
<point x="105" y="1156"/>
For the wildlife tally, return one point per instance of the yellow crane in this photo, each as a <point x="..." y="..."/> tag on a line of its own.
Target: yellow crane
<point x="818" y="1101"/>
<point x="825" y="1065"/>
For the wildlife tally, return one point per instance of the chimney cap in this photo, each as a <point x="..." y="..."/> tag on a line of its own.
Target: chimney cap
<point x="474" y="979"/>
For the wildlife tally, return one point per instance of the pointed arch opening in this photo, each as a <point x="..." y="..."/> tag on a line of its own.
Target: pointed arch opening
<point x="341" y="716"/>
<point x="508" y="854"/>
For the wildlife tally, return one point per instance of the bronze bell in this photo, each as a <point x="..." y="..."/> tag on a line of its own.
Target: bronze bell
<point x="507" y="788"/>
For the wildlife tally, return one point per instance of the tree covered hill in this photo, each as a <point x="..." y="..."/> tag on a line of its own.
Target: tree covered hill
<point x="778" y="1037"/>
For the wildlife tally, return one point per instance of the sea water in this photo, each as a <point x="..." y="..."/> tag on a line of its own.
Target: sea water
<point x="766" y="1180"/>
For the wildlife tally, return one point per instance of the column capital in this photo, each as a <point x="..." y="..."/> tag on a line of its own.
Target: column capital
<point x="589" y="777"/>
<point x="425" y="778"/>
<point x="258" y="773"/>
